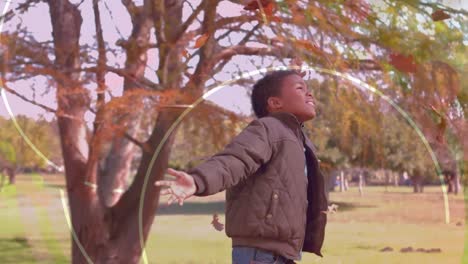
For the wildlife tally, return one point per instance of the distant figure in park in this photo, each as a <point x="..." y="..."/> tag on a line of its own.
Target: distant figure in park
<point x="276" y="200"/>
<point x="451" y="181"/>
<point x="406" y="179"/>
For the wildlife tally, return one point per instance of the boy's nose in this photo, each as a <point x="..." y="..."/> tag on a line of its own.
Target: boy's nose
<point x="309" y="94"/>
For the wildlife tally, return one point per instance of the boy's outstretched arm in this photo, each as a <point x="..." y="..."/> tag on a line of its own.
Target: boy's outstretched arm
<point x="241" y="158"/>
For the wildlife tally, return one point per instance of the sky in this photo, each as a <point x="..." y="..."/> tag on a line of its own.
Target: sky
<point x="116" y="23"/>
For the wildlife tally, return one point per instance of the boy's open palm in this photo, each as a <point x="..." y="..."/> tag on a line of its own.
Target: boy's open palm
<point x="180" y="189"/>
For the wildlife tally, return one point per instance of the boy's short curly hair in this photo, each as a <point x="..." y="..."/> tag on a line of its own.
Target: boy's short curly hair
<point x="269" y="85"/>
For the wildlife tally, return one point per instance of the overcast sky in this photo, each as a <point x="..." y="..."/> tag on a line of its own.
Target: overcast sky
<point x="116" y="24"/>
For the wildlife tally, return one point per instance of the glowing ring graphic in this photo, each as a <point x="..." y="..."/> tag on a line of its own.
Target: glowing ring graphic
<point x="264" y="70"/>
<point x="190" y="107"/>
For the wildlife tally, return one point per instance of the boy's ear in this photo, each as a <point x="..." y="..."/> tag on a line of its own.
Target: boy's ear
<point x="274" y="103"/>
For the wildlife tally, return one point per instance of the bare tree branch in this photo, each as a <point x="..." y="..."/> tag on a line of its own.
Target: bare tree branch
<point x="101" y="65"/>
<point x="189" y="20"/>
<point x="131" y="8"/>
<point x="22" y="8"/>
<point x="12" y="91"/>
<point x="144" y="147"/>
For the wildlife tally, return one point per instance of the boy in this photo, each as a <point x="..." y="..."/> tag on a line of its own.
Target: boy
<point x="275" y="193"/>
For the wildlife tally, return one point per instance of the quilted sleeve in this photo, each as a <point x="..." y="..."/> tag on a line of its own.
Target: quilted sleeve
<point x="241" y="158"/>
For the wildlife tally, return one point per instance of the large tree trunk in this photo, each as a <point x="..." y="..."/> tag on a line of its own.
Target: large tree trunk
<point x="457" y="183"/>
<point x="417" y="181"/>
<point x="129" y="231"/>
<point x="361" y="184"/>
<point x="396" y="178"/>
<point x="341" y="181"/>
<point x="119" y="159"/>
<point x="417" y="187"/>
<point x="103" y="233"/>
<point x="72" y="99"/>
<point x="113" y="235"/>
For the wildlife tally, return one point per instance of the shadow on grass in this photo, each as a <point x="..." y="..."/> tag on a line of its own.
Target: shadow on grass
<point x="345" y="206"/>
<point x="192" y="208"/>
<point x="55" y="185"/>
<point x="219" y="208"/>
<point x="32" y="250"/>
<point x="15" y="250"/>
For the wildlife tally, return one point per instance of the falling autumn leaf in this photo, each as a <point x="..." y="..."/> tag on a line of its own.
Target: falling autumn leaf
<point x="439" y="15"/>
<point x="216" y="224"/>
<point x="201" y="40"/>
<point x="403" y="63"/>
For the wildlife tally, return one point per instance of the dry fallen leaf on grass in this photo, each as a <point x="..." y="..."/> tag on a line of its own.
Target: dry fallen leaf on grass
<point x="333" y="208"/>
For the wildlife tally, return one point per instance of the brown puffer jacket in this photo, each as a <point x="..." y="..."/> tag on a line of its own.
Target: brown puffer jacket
<point x="270" y="203"/>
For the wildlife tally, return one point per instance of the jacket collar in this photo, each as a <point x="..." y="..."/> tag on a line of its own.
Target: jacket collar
<point x="289" y="119"/>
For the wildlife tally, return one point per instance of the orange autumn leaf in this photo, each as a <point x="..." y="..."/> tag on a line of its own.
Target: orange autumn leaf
<point x="184" y="53"/>
<point x="300" y="19"/>
<point x="269" y="9"/>
<point x="403" y="63"/>
<point x="276" y="19"/>
<point x="308" y="46"/>
<point x="439" y="15"/>
<point x="253" y="4"/>
<point x="316" y="12"/>
<point x="201" y="40"/>
<point x="298" y="14"/>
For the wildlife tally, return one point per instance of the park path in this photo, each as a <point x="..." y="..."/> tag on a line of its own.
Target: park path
<point x="41" y="216"/>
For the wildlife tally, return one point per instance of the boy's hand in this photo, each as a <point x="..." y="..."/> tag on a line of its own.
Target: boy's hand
<point x="180" y="189"/>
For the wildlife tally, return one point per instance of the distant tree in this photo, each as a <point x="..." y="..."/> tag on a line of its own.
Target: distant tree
<point x="7" y="162"/>
<point x="40" y="133"/>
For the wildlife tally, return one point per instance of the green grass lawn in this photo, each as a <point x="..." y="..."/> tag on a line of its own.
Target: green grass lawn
<point x="34" y="228"/>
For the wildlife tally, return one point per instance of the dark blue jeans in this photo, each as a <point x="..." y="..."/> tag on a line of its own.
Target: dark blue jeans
<point x="252" y="255"/>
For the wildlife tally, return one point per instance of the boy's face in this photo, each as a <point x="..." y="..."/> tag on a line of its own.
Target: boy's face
<point x="294" y="98"/>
